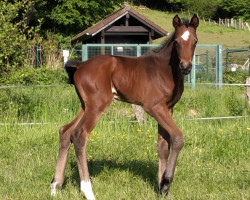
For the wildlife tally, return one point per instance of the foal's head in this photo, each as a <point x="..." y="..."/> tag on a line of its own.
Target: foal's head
<point x="185" y="40"/>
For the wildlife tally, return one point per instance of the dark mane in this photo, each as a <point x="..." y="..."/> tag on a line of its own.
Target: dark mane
<point x="185" y="22"/>
<point x="165" y="43"/>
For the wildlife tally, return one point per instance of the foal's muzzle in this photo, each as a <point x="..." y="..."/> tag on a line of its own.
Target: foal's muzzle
<point x="185" y="67"/>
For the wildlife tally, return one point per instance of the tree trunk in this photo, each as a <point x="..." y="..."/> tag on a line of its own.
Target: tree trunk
<point x="139" y="113"/>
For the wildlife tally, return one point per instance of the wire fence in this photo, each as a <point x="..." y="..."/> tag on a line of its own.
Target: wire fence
<point x="205" y="57"/>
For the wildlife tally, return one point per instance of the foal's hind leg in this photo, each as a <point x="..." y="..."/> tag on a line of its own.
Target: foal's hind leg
<point x="94" y="108"/>
<point x="65" y="134"/>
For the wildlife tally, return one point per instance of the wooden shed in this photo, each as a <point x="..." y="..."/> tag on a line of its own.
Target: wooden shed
<point x="125" y="26"/>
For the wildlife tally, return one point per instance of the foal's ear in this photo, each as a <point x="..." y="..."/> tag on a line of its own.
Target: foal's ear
<point x="194" y="22"/>
<point x="176" y="21"/>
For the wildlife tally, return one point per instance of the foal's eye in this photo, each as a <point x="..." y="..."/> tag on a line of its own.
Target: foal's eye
<point x="195" y="42"/>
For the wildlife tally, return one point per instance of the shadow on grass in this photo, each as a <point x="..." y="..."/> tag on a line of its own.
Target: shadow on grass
<point x="147" y="171"/>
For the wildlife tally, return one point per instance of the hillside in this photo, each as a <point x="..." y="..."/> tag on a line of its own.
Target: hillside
<point x="207" y="33"/>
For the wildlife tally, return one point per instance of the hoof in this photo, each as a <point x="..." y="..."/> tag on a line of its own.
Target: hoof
<point x="54" y="186"/>
<point x="165" y="186"/>
<point x="86" y="189"/>
<point x="53" y="189"/>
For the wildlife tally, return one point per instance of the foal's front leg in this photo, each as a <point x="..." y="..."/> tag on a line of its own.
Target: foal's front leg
<point x="162" y="114"/>
<point x="163" y="148"/>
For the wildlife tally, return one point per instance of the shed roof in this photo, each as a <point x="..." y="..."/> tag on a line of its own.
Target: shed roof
<point x="109" y="20"/>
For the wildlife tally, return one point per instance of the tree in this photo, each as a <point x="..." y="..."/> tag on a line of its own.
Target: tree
<point x="204" y="8"/>
<point x="24" y="22"/>
<point x="233" y="8"/>
<point x="15" y="36"/>
<point x="69" y="17"/>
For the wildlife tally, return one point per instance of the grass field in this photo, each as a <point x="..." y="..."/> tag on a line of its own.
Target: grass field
<point x="214" y="163"/>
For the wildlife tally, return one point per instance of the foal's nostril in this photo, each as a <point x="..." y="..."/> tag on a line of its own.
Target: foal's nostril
<point x="189" y="66"/>
<point x="185" y="67"/>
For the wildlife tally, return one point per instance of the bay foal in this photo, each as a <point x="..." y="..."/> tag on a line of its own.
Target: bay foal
<point x="154" y="81"/>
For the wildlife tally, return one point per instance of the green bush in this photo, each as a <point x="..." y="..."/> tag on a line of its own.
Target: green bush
<point x="235" y="77"/>
<point x="37" y="104"/>
<point x="35" y="76"/>
<point x="235" y="105"/>
<point x="16" y="37"/>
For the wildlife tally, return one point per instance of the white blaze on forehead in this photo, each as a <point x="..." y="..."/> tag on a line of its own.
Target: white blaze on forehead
<point x="185" y="35"/>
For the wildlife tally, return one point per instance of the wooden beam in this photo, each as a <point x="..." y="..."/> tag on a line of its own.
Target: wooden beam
<point x="126" y="20"/>
<point x="102" y="37"/>
<point x="134" y="29"/>
<point x="102" y="42"/>
<point x="150" y="35"/>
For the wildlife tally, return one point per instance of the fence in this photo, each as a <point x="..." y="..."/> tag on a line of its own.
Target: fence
<point x="134" y="50"/>
<point x="207" y="59"/>
<point x="234" y="23"/>
<point x="237" y="58"/>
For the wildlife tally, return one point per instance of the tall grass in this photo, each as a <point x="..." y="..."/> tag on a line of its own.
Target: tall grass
<point x="214" y="163"/>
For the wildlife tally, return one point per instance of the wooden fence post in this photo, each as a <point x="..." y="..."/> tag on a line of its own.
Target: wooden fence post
<point x="248" y="90"/>
<point x="247" y="25"/>
<point x="240" y="24"/>
<point x="232" y="22"/>
<point x="249" y="60"/>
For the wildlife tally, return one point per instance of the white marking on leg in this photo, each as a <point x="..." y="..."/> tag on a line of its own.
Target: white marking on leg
<point x="86" y="188"/>
<point x="185" y="35"/>
<point x="53" y="188"/>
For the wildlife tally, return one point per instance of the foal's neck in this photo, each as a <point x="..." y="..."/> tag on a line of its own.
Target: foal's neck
<point x="170" y="56"/>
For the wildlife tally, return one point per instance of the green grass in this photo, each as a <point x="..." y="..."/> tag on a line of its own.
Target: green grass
<point x="214" y="163"/>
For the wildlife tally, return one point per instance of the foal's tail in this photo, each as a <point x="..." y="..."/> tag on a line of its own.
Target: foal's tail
<point x="71" y="66"/>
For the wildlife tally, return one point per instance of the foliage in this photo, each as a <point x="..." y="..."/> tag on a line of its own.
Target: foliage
<point x="235" y="106"/>
<point x="235" y="77"/>
<point x="50" y="54"/>
<point x="163" y="5"/>
<point x="28" y="23"/>
<point x="69" y="17"/>
<point x="34" y="76"/>
<point x="16" y="38"/>
<point x="235" y="9"/>
<point x="204" y="8"/>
